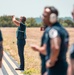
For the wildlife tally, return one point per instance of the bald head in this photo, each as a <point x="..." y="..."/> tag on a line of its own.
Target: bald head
<point x="47" y="10"/>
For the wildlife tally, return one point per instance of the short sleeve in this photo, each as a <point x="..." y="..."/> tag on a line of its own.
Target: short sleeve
<point x="53" y="33"/>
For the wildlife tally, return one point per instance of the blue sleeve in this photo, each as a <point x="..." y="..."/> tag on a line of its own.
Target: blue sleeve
<point x="53" y="33"/>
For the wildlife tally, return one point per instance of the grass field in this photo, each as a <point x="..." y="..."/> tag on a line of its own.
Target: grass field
<point x="32" y="59"/>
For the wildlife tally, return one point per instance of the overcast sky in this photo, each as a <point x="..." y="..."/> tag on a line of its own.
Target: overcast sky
<point x="34" y="8"/>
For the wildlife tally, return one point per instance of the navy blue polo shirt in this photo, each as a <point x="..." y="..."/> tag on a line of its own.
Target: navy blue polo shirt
<point x="58" y="30"/>
<point x="21" y="31"/>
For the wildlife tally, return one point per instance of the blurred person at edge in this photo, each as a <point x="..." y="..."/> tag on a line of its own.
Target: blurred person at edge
<point x="1" y="48"/>
<point x="71" y="64"/>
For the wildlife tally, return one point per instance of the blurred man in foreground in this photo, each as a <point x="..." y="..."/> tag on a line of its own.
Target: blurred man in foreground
<point x="56" y="46"/>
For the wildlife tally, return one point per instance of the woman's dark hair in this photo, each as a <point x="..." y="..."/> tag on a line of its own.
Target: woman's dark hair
<point x="53" y="9"/>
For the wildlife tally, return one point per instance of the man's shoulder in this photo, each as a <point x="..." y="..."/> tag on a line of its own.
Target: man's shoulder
<point x="22" y="24"/>
<point x="59" y="27"/>
<point x="62" y="31"/>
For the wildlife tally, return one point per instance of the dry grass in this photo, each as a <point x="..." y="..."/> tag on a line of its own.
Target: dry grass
<point x="32" y="60"/>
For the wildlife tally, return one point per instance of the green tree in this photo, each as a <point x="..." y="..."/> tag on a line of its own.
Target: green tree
<point x="6" y="21"/>
<point x="69" y="22"/>
<point x="31" y="22"/>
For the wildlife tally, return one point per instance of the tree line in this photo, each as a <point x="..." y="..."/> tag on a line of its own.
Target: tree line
<point x="6" y="21"/>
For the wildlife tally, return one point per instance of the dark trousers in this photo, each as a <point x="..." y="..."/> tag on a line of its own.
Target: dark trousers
<point x="43" y="64"/>
<point x="1" y="50"/>
<point x="20" y="45"/>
